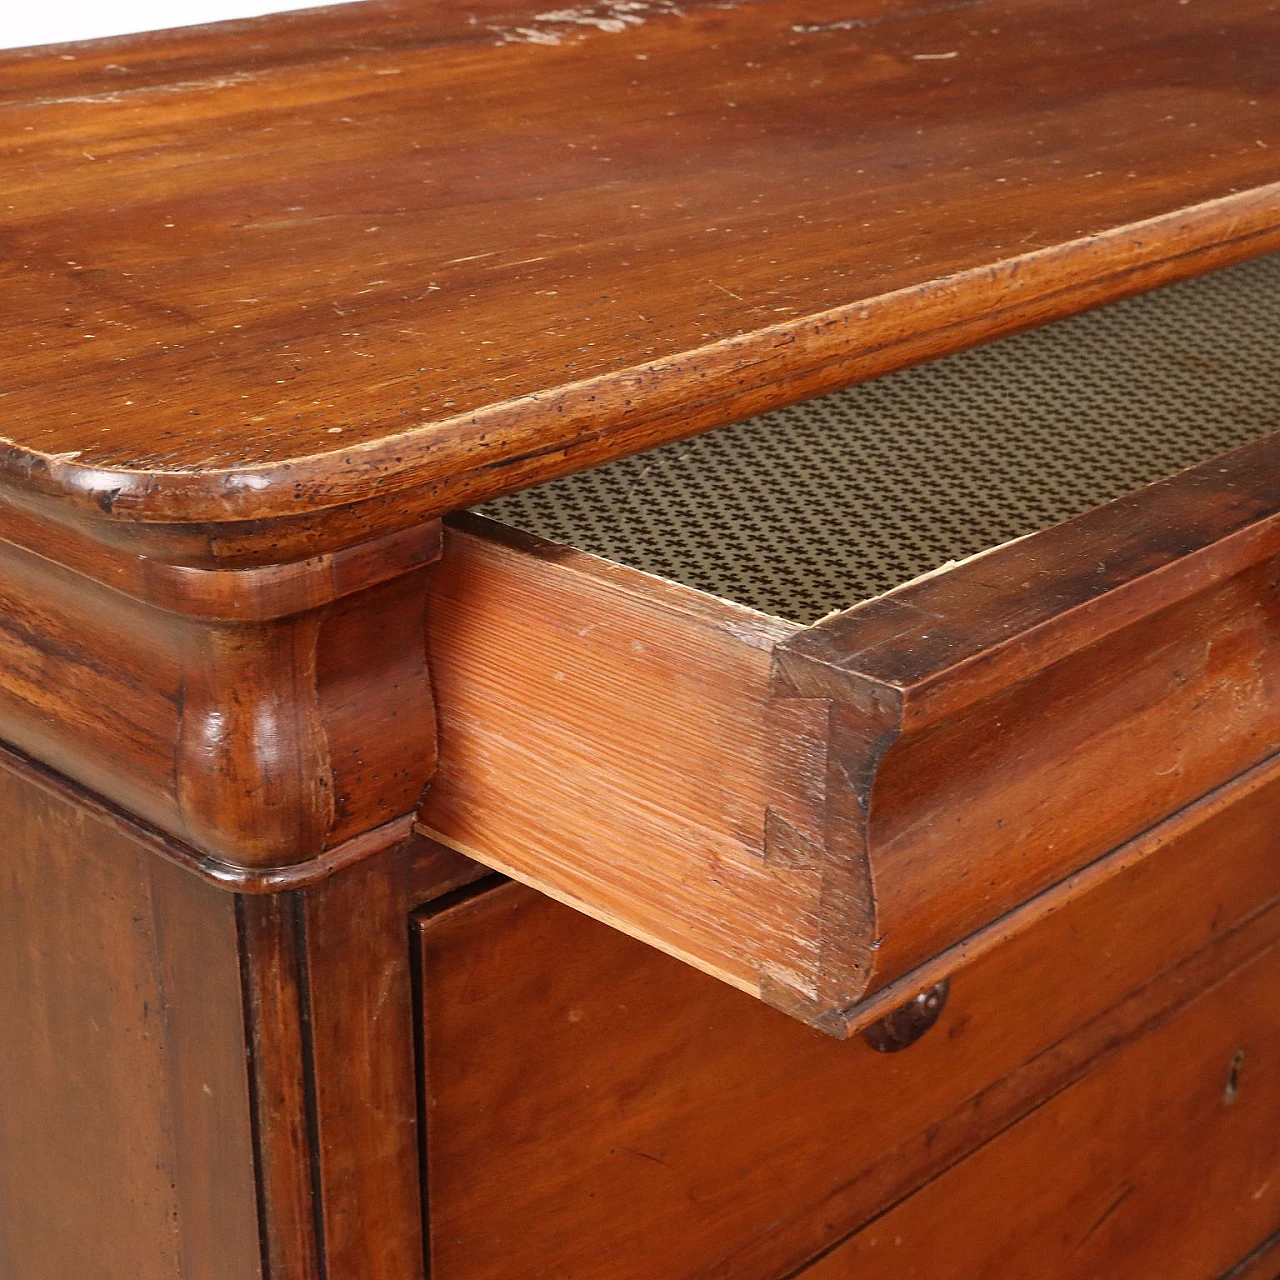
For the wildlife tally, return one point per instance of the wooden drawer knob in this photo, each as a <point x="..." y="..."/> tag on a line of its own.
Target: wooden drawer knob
<point x="907" y="1023"/>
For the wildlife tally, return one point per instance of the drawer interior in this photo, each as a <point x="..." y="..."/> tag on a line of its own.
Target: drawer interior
<point x="822" y="702"/>
<point x="810" y="509"/>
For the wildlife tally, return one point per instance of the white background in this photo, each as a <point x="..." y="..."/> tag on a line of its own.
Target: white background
<point x="25" y="22"/>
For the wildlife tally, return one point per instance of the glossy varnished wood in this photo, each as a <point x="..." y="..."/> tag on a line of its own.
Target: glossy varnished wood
<point x="360" y="978"/>
<point x="328" y="983"/>
<point x="318" y="260"/>
<point x="276" y="295"/>
<point x="817" y="814"/>
<point x="643" y="1119"/>
<point x="263" y="716"/>
<point x="1262" y="1263"/>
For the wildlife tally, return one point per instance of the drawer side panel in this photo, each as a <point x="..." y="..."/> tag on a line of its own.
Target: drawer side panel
<point x="621" y="751"/>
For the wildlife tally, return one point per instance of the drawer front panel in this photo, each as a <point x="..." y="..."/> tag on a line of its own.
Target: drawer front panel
<point x="1050" y="773"/>
<point x="1163" y="1161"/>
<point x="603" y="1112"/>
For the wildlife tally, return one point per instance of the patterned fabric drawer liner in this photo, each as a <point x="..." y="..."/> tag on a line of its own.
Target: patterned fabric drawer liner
<point x="817" y="506"/>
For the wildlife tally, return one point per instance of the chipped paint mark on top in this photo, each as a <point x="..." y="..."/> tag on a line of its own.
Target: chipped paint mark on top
<point x="862" y="24"/>
<point x="613" y="16"/>
<point x="231" y="81"/>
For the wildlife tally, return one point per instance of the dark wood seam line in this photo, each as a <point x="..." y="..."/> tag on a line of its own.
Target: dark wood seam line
<point x="221" y="875"/>
<point x="297" y="908"/>
<point x="1011" y="1123"/>
<point x="1241" y="1267"/>
<point x="456" y="897"/>
<point x="420" y="1083"/>
<point x="255" y="1105"/>
<point x="164" y="1012"/>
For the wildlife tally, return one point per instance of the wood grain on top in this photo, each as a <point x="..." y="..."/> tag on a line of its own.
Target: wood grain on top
<point x="440" y="252"/>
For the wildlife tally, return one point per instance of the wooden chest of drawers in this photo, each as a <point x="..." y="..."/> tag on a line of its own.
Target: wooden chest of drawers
<point x="840" y="845"/>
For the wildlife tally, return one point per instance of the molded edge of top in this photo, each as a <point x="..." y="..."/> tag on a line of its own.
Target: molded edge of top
<point x="441" y="465"/>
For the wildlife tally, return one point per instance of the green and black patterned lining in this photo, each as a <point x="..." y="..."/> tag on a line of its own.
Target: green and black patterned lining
<point x="815" y="507"/>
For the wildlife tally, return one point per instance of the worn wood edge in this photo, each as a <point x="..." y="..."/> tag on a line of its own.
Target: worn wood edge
<point x="760" y="630"/>
<point x="946" y="964"/>
<point x="261" y="592"/>
<point x="904" y="663"/>
<point x="215" y="871"/>
<point x="689" y="392"/>
<point x="276" y="1000"/>
<point x="861" y="640"/>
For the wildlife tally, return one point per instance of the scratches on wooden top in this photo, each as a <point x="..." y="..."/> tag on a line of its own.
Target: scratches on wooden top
<point x="270" y="267"/>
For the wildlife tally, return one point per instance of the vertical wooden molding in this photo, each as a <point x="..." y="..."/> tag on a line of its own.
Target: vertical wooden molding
<point x="277" y="1016"/>
<point x="196" y="940"/>
<point x="253" y="764"/>
<point x="329" y="1006"/>
<point x="362" y="1053"/>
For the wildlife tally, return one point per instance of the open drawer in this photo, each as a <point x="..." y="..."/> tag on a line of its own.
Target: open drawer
<point x="836" y="702"/>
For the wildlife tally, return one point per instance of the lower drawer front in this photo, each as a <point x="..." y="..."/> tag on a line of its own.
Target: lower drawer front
<point x="1164" y="1161"/>
<point x="600" y="1111"/>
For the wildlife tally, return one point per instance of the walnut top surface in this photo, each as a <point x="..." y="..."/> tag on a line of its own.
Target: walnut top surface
<point x="424" y="254"/>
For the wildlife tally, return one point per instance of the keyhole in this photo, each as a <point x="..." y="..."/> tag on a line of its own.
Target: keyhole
<point x="1233" y="1078"/>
